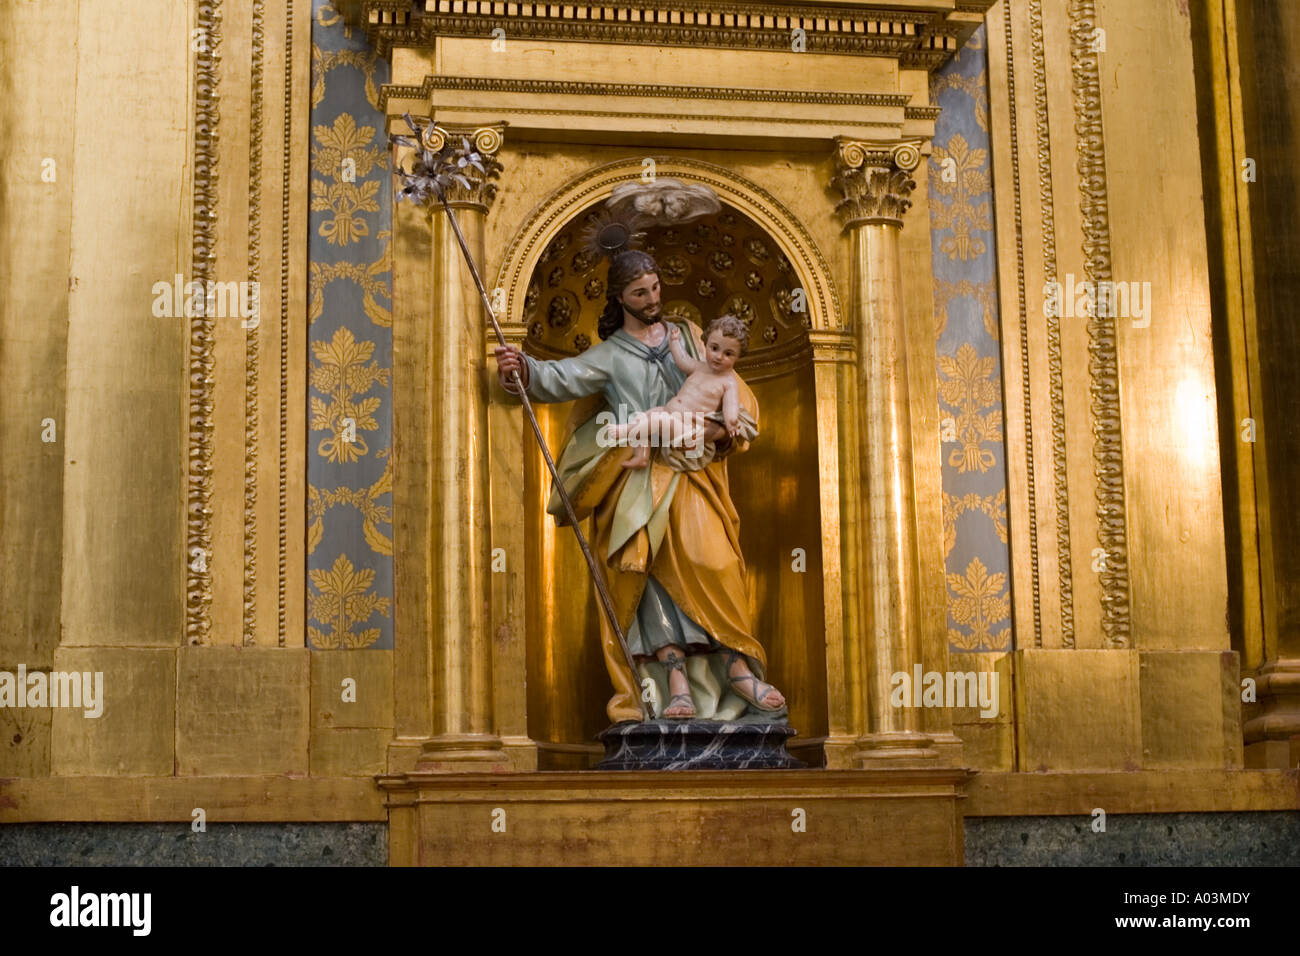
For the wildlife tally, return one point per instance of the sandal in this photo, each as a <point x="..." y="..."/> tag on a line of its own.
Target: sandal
<point x="675" y="663"/>
<point x="672" y="702"/>
<point x="755" y="682"/>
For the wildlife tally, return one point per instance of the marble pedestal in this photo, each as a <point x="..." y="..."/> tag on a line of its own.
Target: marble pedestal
<point x="698" y="745"/>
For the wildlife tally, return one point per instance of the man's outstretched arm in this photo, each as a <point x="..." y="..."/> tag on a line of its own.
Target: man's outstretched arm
<point x="557" y="381"/>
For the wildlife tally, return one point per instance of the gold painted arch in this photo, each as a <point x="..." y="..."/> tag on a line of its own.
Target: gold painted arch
<point x="595" y="185"/>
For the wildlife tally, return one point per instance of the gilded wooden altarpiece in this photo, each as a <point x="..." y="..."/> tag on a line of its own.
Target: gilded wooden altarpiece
<point x="920" y="171"/>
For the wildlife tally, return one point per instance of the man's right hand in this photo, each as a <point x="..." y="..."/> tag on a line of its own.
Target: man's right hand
<point x="510" y="359"/>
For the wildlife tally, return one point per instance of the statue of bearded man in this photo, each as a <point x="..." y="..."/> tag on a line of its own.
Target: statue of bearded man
<point x="667" y="540"/>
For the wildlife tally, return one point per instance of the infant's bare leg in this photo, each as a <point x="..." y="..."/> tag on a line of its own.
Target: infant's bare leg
<point x="669" y="427"/>
<point x="635" y="432"/>
<point x="623" y="432"/>
<point x="656" y="428"/>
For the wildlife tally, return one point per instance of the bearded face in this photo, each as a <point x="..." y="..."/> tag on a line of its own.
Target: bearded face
<point x="640" y="299"/>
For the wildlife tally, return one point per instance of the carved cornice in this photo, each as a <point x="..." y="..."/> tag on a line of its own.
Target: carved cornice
<point x="922" y="112"/>
<point x="832" y="345"/>
<point x="875" y="180"/>
<point x="486" y="140"/>
<point x="577" y="88"/>
<point x="918" y="38"/>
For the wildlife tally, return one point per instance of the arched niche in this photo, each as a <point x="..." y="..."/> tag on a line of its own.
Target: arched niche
<point x="754" y="259"/>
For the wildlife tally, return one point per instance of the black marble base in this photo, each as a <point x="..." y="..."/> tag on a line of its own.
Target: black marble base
<point x="697" y="745"/>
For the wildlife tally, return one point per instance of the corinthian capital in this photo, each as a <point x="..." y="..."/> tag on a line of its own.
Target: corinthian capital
<point x="449" y="140"/>
<point x="875" y="179"/>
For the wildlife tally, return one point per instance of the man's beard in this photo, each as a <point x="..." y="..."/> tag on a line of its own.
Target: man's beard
<point x="640" y="314"/>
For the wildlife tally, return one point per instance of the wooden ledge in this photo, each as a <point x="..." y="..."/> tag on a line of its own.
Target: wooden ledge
<point x="1160" y="791"/>
<point x="265" y="799"/>
<point x="673" y="784"/>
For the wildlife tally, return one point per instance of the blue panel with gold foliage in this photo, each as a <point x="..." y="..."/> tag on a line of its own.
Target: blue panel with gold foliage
<point x="976" y="555"/>
<point x="349" y="421"/>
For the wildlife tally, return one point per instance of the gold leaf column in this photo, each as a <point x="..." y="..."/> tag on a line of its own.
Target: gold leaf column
<point x="463" y="725"/>
<point x="834" y="362"/>
<point x="875" y="181"/>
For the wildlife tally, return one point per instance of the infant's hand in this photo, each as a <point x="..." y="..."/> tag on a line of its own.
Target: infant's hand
<point x="675" y="334"/>
<point x="733" y="427"/>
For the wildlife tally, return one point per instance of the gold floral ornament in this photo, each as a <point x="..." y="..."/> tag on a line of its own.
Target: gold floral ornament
<point x="344" y="153"/>
<point x="364" y="500"/>
<point x="322" y="61"/>
<point x="960" y="211"/>
<point x="973" y="86"/>
<point x="344" y="599"/>
<point x="346" y="201"/>
<point x="344" y="141"/>
<point x="370" y="278"/>
<point x="967" y="384"/>
<point x="984" y="293"/>
<point x="982" y="601"/>
<point x="343" y="375"/>
<point x="994" y="507"/>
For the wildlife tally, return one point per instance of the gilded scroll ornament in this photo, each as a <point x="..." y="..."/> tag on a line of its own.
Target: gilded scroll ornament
<point x="198" y="530"/>
<point x="1055" y="366"/>
<point x="1103" y="359"/>
<point x="252" y="356"/>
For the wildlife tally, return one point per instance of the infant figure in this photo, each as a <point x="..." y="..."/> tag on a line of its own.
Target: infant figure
<point x="711" y="385"/>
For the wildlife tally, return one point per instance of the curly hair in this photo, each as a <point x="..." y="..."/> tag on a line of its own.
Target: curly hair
<point x="732" y="328"/>
<point x="624" y="269"/>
